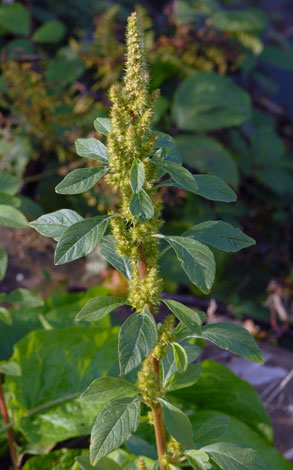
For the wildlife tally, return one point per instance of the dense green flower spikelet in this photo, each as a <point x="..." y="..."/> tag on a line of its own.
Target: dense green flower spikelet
<point x="131" y="137"/>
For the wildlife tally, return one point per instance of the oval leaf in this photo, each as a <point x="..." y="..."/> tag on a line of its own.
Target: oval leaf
<point x="182" y="380"/>
<point x="12" y="217"/>
<point x="92" y="148"/>
<point x="179" y="174"/>
<point x="98" y="307"/>
<point x="177" y="423"/>
<point x="103" y="464"/>
<point x="103" y="125"/>
<point x="50" y="32"/>
<point x="230" y="456"/>
<point x="190" y="318"/>
<point x="141" y="206"/>
<point x="137" y="175"/>
<point x="137" y="338"/>
<point x="180" y="357"/>
<point x="113" y="425"/>
<point x="122" y="264"/>
<point x="53" y="225"/>
<point x="23" y="297"/>
<point x="198" y="460"/>
<point x="81" y="180"/>
<point x="105" y="389"/>
<point x="3" y="263"/>
<point x="80" y="239"/>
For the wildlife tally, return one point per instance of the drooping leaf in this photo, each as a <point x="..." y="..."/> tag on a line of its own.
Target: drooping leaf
<point x="9" y="184"/>
<point x="198" y="459"/>
<point x="12" y="217"/>
<point x="191" y="318"/>
<point x="24" y="298"/>
<point x="196" y="259"/>
<point x="168" y="362"/>
<point x="80" y="239"/>
<point x="207" y="101"/>
<point x="103" y="125"/>
<point x="3" y="263"/>
<point x="137" y="175"/>
<point x="92" y="148"/>
<point x="221" y="235"/>
<point x="9" y="368"/>
<point x="181" y="380"/>
<point x="212" y="429"/>
<point x="180" y="357"/>
<point x="234" y="338"/>
<point x="105" y="389"/>
<point x="114" y="423"/>
<point x="141" y="206"/>
<point x="177" y="423"/>
<point x="166" y="142"/>
<point x="230" y="456"/>
<point x="98" y="307"/>
<point x="15" y="18"/>
<point x="49" y="32"/>
<point x="122" y="264"/>
<point x="179" y="174"/>
<point x="137" y="337"/>
<point x="53" y="225"/>
<point x="103" y="464"/>
<point x="81" y="180"/>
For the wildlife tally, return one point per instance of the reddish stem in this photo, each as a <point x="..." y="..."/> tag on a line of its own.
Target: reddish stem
<point x="10" y="433"/>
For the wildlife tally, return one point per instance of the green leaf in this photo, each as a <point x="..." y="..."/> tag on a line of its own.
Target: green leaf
<point x="8" y="200"/>
<point x="235" y="21"/>
<point x="9" y="368"/>
<point x="169" y="367"/>
<point x="105" y="389"/>
<point x="181" y="380"/>
<point x="177" y="423"/>
<point x="64" y="69"/>
<point x="212" y="429"/>
<point x="49" y="32"/>
<point x="103" y="464"/>
<point x="24" y="298"/>
<point x="53" y="225"/>
<point x="137" y="338"/>
<point x="15" y="18"/>
<point x="220" y="235"/>
<point x="63" y="459"/>
<point x="5" y="316"/>
<point x="278" y="57"/>
<point x="113" y="425"/>
<point x="80" y="239"/>
<point x="196" y="259"/>
<point x="3" y="263"/>
<point x="137" y="175"/>
<point x="122" y="264"/>
<point x="92" y="148"/>
<point x="103" y="125"/>
<point x="167" y="143"/>
<point x="9" y="184"/>
<point x="234" y="338"/>
<point x="12" y="217"/>
<point x="81" y="180"/>
<point x="198" y="459"/>
<point x="180" y="357"/>
<point x="206" y="101"/>
<point x="98" y="307"/>
<point x="179" y="174"/>
<point x="141" y="206"/>
<point x="207" y="155"/>
<point x="230" y="456"/>
<point x="191" y="318"/>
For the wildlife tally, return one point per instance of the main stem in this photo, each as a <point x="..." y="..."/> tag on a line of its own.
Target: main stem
<point x="157" y="410"/>
<point x="10" y="433"/>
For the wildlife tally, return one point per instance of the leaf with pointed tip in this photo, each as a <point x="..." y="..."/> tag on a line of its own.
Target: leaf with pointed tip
<point x="220" y="235"/>
<point x="12" y="217"/>
<point x="24" y="298"/>
<point x="81" y="180"/>
<point x="10" y="368"/>
<point x="180" y="357"/>
<point x="98" y="307"/>
<point x="198" y="460"/>
<point x="229" y="456"/>
<point x="167" y="142"/>
<point x="179" y="174"/>
<point x="114" y="423"/>
<point x="122" y="264"/>
<point x="103" y="125"/>
<point x="141" y="206"/>
<point x="80" y="239"/>
<point x="182" y="380"/>
<point x="191" y="318"/>
<point x="137" y="338"/>
<point x="53" y="225"/>
<point x="168" y="361"/>
<point x="3" y="263"/>
<point x="103" y="464"/>
<point x="105" y="389"/>
<point x="196" y="259"/>
<point x="137" y="175"/>
<point x="92" y="148"/>
<point x="177" y="423"/>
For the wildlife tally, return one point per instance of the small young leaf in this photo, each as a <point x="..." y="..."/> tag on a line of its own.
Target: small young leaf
<point x="81" y="180"/>
<point x="92" y="148"/>
<point x="137" y="337"/>
<point x="53" y="225"/>
<point x="98" y="307"/>
<point x="103" y="464"/>
<point x="234" y="338"/>
<point x="179" y="174"/>
<point x="141" y="206"/>
<point x="196" y="259"/>
<point x="177" y="423"/>
<point x="80" y="239"/>
<point x="180" y="357"/>
<point x="24" y="298"/>
<point x="122" y="264"/>
<point x="12" y="217"/>
<point x="9" y="368"/>
<point x="191" y="318"/>
<point x="230" y="456"/>
<point x="198" y="460"/>
<point x="114" y="423"/>
<point x="103" y="125"/>
<point x="3" y="263"/>
<point x="168" y="362"/>
<point x="182" y="380"/>
<point x="105" y="389"/>
<point x="137" y="175"/>
<point x="221" y="235"/>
